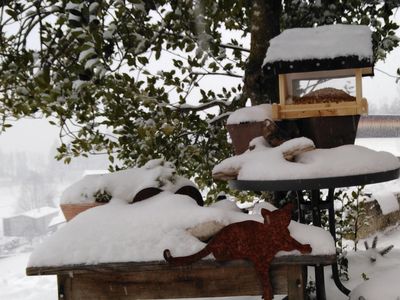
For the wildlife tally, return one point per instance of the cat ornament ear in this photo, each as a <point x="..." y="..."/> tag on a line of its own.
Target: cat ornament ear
<point x="282" y="215"/>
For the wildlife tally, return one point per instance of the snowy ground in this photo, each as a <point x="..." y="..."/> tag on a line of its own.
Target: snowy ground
<point x="14" y="285"/>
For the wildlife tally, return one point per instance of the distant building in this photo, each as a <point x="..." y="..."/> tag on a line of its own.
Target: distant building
<point x="380" y="133"/>
<point x="379" y="126"/>
<point x="33" y="223"/>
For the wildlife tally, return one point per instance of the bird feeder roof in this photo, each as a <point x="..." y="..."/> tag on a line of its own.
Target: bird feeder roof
<point x="329" y="47"/>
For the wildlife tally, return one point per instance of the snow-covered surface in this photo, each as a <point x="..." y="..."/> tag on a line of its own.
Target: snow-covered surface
<point x="373" y="289"/>
<point x="15" y="285"/>
<point x="322" y="42"/>
<point x="385" y="193"/>
<point x="265" y="163"/>
<point x="391" y="145"/>
<point x="255" y="113"/>
<point x="126" y="183"/>
<point x="121" y="232"/>
<point x="387" y="201"/>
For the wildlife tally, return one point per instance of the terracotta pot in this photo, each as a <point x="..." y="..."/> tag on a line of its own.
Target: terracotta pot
<point x="329" y="132"/>
<point x="241" y="134"/>
<point x="73" y="209"/>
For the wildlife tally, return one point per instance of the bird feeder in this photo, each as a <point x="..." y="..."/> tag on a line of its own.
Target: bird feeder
<point x="322" y="56"/>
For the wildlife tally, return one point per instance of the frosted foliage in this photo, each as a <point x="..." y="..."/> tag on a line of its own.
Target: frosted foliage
<point x="322" y="42"/>
<point x="121" y="232"/>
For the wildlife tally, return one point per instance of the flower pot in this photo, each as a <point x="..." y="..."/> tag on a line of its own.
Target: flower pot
<point x="70" y="210"/>
<point x="329" y="132"/>
<point x="241" y="134"/>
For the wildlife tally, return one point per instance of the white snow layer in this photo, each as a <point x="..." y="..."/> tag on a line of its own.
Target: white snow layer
<point x="126" y="183"/>
<point x="257" y="113"/>
<point x="265" y="163"/>
<point x="121" y="232"/>
<point x="322" y="42"/>
<point x="386" y="286"/>
<point x="387" y="201"/>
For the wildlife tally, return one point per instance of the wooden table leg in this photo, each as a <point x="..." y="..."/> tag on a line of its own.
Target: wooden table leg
<point x="296" y="281"/>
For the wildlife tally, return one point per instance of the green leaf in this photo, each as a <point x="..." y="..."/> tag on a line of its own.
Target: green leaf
<point x="190" y="47"/>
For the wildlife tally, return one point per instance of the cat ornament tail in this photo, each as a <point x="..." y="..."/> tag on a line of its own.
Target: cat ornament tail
<point x="185" y="260"/>
<point x="250" y="240"/>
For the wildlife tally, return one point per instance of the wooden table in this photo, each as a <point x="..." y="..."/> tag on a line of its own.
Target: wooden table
<point x="159" y="280"/>
<point x="316" y="205"/>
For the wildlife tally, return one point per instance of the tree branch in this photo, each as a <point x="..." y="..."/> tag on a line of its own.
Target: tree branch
<point x="234" y="47"/>
<point x="217" y="73"/>
<point x="188" y="107"/>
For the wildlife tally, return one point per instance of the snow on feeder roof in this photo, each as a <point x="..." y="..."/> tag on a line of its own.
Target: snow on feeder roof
<point x="329" y="47"/>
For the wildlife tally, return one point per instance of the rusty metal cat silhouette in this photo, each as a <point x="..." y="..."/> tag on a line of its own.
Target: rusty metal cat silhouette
<point x="250" y="240"/>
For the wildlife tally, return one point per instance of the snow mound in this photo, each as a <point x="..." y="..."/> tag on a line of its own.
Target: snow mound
<point x="126" y="183"/>
<point x="387" y="201"/>
<point x="265" y="163"/>
<point x="386" y="286"/>
<point x="121" y="232"/>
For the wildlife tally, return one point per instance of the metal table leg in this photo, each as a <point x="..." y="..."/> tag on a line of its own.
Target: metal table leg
<point x="332" y="229"/>
<point x="319" y="270"/>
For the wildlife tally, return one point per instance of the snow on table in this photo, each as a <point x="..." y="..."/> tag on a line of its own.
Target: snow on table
<point x="329" y="41"/>
<point x="266" y="163"/>
<point x="121" y="232"/>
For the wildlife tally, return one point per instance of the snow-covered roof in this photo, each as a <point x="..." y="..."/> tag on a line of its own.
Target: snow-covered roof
<point x="321" y="42"/>
<point x="352" y="44"/>
<point x="121" y="232"/>
<point x="39" y="212"/>
<point x="319" y="163"/>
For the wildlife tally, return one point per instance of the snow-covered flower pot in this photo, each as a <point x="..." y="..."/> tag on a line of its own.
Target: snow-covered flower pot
<point x="241" y="134"/>
<point x="130" y="186"/>
<point x="246" y="124"/>
<point x="73" y="209"/>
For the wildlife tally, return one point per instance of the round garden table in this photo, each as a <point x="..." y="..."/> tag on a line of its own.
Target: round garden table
<point x="316" y="205"/>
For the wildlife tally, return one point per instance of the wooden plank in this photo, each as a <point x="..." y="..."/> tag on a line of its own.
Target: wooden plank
<point x="282" y="89"/>
<point x="298" y="111"/>
<point x="162" y="265"/>
<point x="297" y="281"/>
<point x="158" y="280"/>
<point x="327" y="74"/>
<point x="358" y="73"/>
<point x="163" y="284"/>
<point x="180" y="285"/>
<point x="362" y="108"/>
<point x="317" y="113"/>
<point x="276" y="111"/>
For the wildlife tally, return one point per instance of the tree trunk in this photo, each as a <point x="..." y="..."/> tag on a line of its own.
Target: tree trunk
<point x="265" y="24"/>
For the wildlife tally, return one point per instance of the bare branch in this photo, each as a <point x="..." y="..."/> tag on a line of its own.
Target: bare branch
<point x="204" y="106"/>
<point x="217" y="73"/>
<point x="234" y="47"/>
